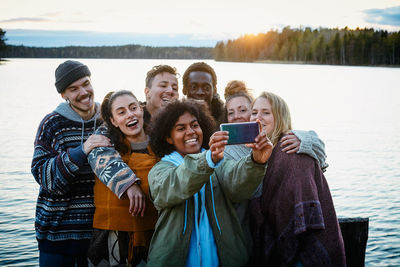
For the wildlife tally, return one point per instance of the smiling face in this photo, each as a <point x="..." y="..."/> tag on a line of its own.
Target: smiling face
<point x="200" y="86"/>
<point x="186" y="135"/>
<point x="238" y="109"/>
<point x="127" y="115"/>
<point x="80" y="96"/>
<point x="164" y="89"/>
<point x="262" y="110"/>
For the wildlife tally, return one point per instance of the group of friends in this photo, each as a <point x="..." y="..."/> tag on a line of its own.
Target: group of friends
<point x="154" y="183"/>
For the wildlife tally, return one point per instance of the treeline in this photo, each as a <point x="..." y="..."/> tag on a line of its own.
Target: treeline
<point x="120" y="52"/>
<point x="320" y="46"/>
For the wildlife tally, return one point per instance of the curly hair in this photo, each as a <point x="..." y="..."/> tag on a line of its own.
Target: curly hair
<point x="165" y="120"/>
<point x="198" y="66"/>
<point x="157" y="70"/>
<point x="236" y="88"/>
<point x="115" y="134"/>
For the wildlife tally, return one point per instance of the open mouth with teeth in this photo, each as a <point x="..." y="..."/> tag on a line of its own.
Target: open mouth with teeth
<point x="132" y="123"/>
<point x="191" y="141"/>
<point x="85" y="99"/>
<point x="166" y="99"/>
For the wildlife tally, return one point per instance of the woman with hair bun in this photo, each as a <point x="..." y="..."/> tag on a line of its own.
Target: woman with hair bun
<point x="238" y="99"/>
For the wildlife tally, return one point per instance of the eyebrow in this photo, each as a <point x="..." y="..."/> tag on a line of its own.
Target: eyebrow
<point x="83" y="82"/>
<point x="237" y="107"/>
<point x="182" y="124"/>
<point x="122" y="107"/>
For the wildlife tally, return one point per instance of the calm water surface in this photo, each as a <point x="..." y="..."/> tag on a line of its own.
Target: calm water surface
<point x="355" y="110"/>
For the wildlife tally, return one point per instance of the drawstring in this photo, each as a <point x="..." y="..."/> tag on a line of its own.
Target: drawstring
<point x="83" y="130"/>
<point x="94" y="130"/>
<point x="184" y="226"/>
<point x="215" y="213"/>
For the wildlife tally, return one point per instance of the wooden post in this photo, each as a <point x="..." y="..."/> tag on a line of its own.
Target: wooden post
<point x="355" y="236"/>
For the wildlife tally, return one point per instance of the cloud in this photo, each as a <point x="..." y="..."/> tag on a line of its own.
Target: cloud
<point x="386" y="16"/>
<point x="24" y="19"/>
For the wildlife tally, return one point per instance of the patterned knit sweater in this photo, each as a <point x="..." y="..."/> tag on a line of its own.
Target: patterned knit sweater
<point x="65" y="207"/>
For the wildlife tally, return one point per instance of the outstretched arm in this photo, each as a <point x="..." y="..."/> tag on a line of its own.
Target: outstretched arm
<point x="305" y="142"/>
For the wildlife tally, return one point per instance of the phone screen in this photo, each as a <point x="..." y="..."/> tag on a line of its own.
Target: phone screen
<point x="241" y="133"/>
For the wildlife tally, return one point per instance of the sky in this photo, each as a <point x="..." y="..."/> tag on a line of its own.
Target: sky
<point x="180" y="22"/>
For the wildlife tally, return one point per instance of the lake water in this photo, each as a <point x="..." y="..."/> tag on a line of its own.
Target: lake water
<point x="355" y="110"/>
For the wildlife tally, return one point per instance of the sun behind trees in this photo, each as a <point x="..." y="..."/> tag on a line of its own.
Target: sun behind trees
<point x="322" y="46"/>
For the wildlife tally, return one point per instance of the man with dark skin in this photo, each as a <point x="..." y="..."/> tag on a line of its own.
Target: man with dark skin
<point x="200" y="83"/>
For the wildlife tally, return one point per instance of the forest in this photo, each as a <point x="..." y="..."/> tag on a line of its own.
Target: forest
<point x="363" y="47"/>
<point x="121" y="52"/>
<point x="320" y="46"/>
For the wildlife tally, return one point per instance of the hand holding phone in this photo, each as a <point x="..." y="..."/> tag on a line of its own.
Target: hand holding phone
<point x="241" y="133"/>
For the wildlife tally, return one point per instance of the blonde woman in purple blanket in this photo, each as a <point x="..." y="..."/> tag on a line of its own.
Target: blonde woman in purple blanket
<point x="238" y="102"/>
<point x="293" y="222"/>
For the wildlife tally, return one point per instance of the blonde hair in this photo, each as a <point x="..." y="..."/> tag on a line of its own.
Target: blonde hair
<point x="281" y="113"/>
<point x="236" y="88"/>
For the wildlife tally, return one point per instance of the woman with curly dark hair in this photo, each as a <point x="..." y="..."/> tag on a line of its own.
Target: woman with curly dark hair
<point x="194" y="189"/>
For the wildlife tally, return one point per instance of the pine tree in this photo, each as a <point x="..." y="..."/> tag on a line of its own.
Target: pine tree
<point x="2" y="40"/>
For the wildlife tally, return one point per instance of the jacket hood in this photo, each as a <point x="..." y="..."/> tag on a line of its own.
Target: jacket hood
<point x="65" y="110"/>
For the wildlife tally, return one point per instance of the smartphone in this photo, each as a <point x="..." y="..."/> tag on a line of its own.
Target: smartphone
<point x="241" y="133"/>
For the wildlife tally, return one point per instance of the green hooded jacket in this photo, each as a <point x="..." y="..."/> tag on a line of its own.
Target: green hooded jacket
<point x="170" y="187"/>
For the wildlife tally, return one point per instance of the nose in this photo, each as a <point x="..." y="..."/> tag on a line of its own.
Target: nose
<point x="169" y="90"/>
<point x="130" y="113"/>
<point x="200" y="91"/>
<point x="190" y="131"/>
<point x="82" y="90"/>
<point x="258" y="116"/>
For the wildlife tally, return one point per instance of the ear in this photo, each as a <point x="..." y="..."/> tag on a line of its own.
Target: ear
<point x="169" y="140"/>
<point x="63" y="96"/>
<point x="113" y="122"/>
<point x="146" y="91"/>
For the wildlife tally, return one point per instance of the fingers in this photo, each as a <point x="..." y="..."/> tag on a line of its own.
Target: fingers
<point x="100" y="140"/>
<point x="143" y="207"/>
<point x="292" y="151"/>
<point x="136" y="206"/>
<point x="291" y="148"/>
<point x="139" y="207"/>
<point x="131" y="205"/>
<point x="94" y="141"/>
<point x="217" y="145"/>
<point x="290" y="143"/>
<point x="261" y="141"/>
<point x="218" y="137"/>
<point x="217" y="155"/>
<point x="137" y="201"/>
<point x="220" y="145"/>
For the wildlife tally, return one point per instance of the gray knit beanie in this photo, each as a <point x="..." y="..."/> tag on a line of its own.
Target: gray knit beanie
<point x="69" y="72"/>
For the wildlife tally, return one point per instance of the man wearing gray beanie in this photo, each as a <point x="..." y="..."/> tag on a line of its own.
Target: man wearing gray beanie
<point x="65" y="208"/>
